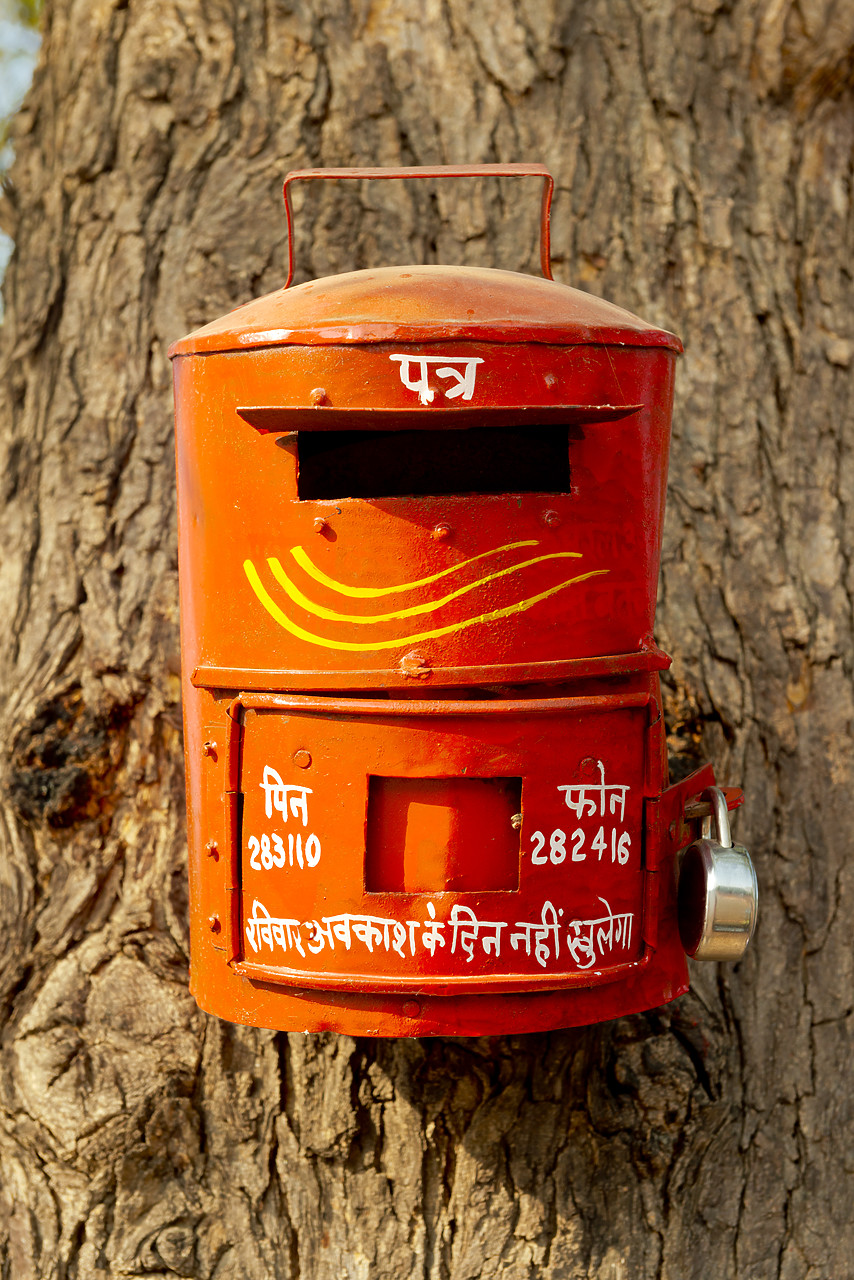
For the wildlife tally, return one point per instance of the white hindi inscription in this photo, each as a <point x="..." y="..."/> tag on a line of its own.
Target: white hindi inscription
<point x="577" y="798"/>
<point x="270" y="849"/>
<point x="278" y="793"/>
<point x="587" y="800"/>
<point x="610" y="931"/>
<point x="462" y="369"/>
<point x="585" y="940"/>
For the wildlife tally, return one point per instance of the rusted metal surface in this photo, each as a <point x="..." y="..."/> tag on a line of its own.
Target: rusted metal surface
<point x="420" y="521"/>
<point x="325" y="417"/>
<point x="577" y="669"/>
<point x="378" y="708"/>
<point x="422" y="304"/>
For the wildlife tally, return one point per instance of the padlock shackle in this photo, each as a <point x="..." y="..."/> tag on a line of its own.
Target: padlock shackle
<point x="720" y="814"/>
<point x="434" y="171"/>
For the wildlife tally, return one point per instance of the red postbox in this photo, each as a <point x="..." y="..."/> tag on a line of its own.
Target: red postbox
<point x="420" y="519"/>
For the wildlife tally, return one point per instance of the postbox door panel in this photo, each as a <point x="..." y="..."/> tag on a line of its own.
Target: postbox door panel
<point x="365" y="863"/>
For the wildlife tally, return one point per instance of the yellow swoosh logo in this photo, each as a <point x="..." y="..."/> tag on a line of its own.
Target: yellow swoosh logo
<point x="301" y="557"/>
<point x="354" y="647"/>
<point x="427" y="606"/>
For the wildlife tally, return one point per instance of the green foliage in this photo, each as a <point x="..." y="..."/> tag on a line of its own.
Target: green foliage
<point x="29" y="12"/>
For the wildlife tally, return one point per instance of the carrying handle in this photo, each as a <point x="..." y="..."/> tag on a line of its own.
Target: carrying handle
<point x="435" y="171"/>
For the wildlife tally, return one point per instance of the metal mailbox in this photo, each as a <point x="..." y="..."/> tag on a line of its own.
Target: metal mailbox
<point x="420" y="518"/>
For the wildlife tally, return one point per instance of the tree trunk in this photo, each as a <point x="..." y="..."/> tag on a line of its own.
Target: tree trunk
<point x="703" y="157"/>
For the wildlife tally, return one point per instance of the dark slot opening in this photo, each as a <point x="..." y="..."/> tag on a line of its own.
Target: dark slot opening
<point x="393" y="464"/>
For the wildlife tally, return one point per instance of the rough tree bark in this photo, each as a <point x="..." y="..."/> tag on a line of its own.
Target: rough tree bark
<point x="703" y="154"/>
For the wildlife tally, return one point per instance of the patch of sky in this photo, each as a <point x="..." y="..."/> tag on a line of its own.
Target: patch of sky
<point x="19" y="47"/>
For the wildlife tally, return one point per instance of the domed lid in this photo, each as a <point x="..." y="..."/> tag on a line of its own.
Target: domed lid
<point x="422" y="304"/>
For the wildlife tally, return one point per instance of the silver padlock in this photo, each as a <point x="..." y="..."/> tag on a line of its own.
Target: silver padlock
<point x="718" y="892"/>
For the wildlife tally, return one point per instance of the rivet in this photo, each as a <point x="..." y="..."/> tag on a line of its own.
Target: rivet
<point x="320" y="525"/>
<point x="415" y="665"/>
<point x="209" y="749"/>
<point x="411" y="1008"/>
<point x="212" y="849"/>
<point x="441" y="533"/>
<point x="215" y="924"/>
<point x="318" y="395"/>
<point x="551" y="519"/>
<point x="516" y="821"/>
<point x="302" y="759"/>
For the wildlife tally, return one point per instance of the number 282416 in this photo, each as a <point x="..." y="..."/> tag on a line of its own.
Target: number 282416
<point x="620" y="844"/>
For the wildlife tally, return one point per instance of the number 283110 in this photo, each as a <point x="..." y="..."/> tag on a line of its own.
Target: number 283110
<point x="270" y="851"/>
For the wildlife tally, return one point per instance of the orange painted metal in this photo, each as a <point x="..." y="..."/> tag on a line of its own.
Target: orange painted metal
<point x="426" y="305"/>
<point x="427" y="781"/>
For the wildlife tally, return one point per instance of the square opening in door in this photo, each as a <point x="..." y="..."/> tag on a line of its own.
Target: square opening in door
<point x="426" y="835"/>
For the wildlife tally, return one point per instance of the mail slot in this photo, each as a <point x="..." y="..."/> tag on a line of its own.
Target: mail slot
<point x="420" y="516"/>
